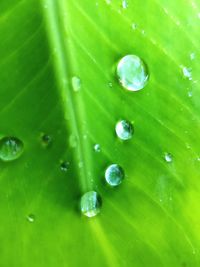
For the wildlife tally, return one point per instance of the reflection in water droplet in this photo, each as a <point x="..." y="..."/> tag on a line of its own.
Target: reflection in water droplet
<point x="114" y="175"/>
<point x="124" y="130"/>
<point x="97" y="148"/>
<point x="31" y="218"/>
<point x="76" y="83"/>
<point x="64" y="166"/>
<point x="11" y="148"/>
<point x="132" y="73"/>
<point x="168" y="157"/>
<point x="90" y="204"/>
<point x="190" y="93"/>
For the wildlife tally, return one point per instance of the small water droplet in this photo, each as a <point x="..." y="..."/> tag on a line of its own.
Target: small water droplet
<point x="187" y="72"/>
<point x="80" y="165"/>
<point x="11" y="148"/>
<point x="76" y="83"/>
<point x="190" y="93"/>
<point x="124" y="4"/>
<point x="124" y="130"/>
<point x="97" y="148"/>
<point x="64" y="166"/>
<point x="31" y="218"/>
<point x="46" y="139"/>
<point x="132" y="73"/>
<point x="114" y="175"/>
<point x="110" y="84"/>
<point x="73" y="141"/>
<point x="108" y="2"/>
<point x="90" y="204"/>
<point x="192" y="56"/>
<point x="134" y="26"/>
<point x="168" y="157"/>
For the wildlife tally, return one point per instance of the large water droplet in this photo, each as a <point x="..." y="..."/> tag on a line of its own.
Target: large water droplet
<point x="132" y="73"/>
<point x="97" y="148"/>
<point x="168" y="157"/>
<point x="90" y="204"/>
<point x="76" y="83"/>
<point x="124" y="130"/>
<point x="114" y="175"/>
<point x="10" y="148"/>
<point x="31" y="218"/>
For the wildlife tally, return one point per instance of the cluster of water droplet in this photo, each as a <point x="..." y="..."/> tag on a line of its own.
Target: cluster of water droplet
<point x="133" y="75"/>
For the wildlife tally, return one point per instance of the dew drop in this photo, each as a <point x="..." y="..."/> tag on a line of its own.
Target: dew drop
<point x="76" y="83"/>
<point x="97" y="148"/>
<point x="124" y="130"/>
<point x="190" y="94"/>
<point x="11" y="148"/>
<point x="132" y="73"/>
<point x="168" y="157"/>
<point x="64" y="166"/>
<point x="114" y="175"/>
<point x="90" y="204"/>
<point x="31" y="218"/>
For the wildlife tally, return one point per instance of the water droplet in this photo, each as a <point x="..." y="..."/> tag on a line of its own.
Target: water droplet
<point x="73" y="141"/>
<point x="46" y="139"/>
<point x="90" y="204"/>
<point x="110" y="84"/>
<point x="108" y="2"/>
<point x="168" y="157"/>
<point x="134" y="26"/>
<point x="192" y="56"/>
<point x="190" y="93"/>
<point x="124" y="4"/>
<point x="124" y="130"/>
<point x="114" y="175"/>
<point x="76" y="83"/>
<point x="80" y="165"/>
<point x="31" y="218"/>
<point x="64" y="166"/>
<point x="132" y="73"/>
<point x="10" y="148"/>
<point x="187" y="72"/>
<point x="97" y="148"/>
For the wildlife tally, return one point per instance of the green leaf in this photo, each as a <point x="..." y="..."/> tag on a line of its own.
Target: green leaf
<point x="152" y="218"/>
